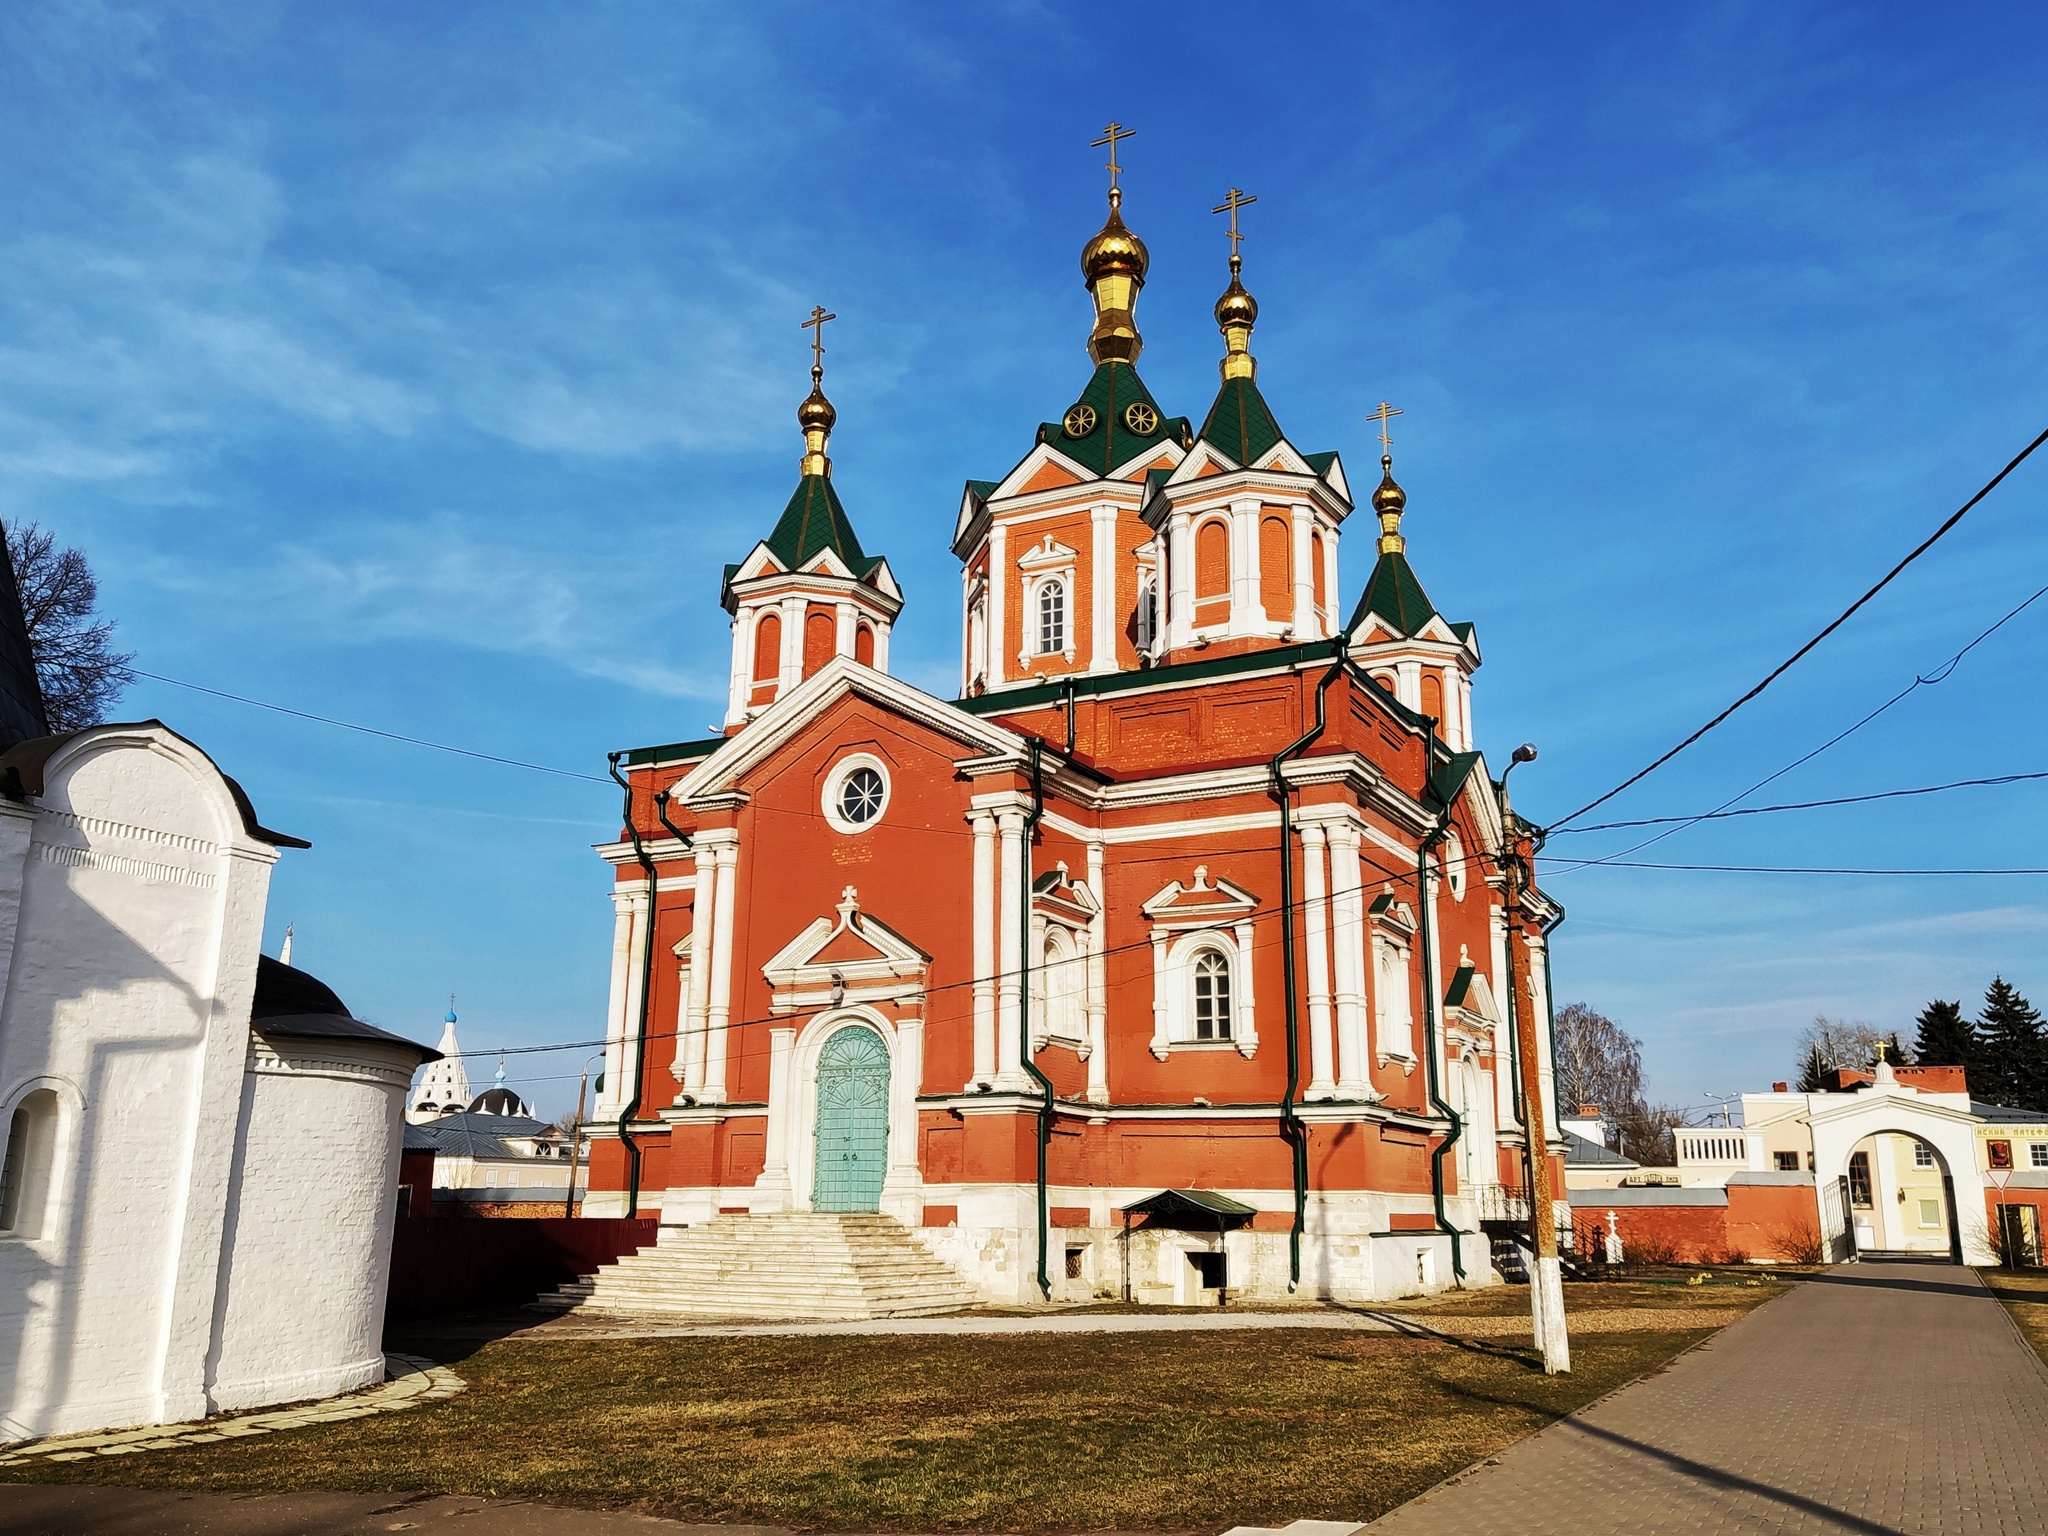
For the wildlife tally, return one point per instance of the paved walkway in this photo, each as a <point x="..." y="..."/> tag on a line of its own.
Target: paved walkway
<point x="1876" y="1399"/>
<point x="409" y="1382"/>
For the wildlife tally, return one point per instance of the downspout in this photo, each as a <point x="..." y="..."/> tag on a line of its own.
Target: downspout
<point x="1031" y="820"/>
<point x="1429" y="1012"/>
<point x="1071" y="691"/>
<point x="1291" y="1128"/>
<point x="632" y="1106"/>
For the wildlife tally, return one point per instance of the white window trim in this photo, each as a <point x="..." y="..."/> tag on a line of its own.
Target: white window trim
<point x="1047" y="561"/>
<point x="1039" y="590"/>
<point x="1174" y="991"/>
<point x="1393" y="1011"/>
<point x="835" y="781"/>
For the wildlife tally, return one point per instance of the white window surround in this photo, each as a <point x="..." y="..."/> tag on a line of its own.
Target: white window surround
<point x="2037" y="1154"/>
<point x="1454" y="865"/>
<point x="34" y="1129"/>
<point x="1177" y="982"/>
<point x="1047" y="561"/>
<point x="1393" y="1010"/>
<point x="835" y="785"/>
<point x="1049" y="604"/>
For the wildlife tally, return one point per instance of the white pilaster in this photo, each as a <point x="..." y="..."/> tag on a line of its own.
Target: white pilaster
<point x="1009" y="952"/>
<point x="846" y="616"/>
<point x="1353" y="1079"/>
<point x="1103" y="574"/>
<point x="1306" y="626"/>
<point x="1180" y="566"/>
<point x="984" y="896"/>
<point x="1160" y="1044"/>
<point x="742" y="667"/>
<point x="720" y="1010"/>
<point x="626" y="902"/>
<point x="903" y="1183"/>
<point x="792" y="670"/>
<point x="697" y="1005"/>
<point x="1098" y="991"/>
<point x="1245" y="608"/>
<point x="1332" y="598"/>
<point x="1246" y="1025"/>
<point x="881" y="645"/>
<point x="1315" y="929"/>
<point x="998" y="590"/>
<point x="1408" y="685"/>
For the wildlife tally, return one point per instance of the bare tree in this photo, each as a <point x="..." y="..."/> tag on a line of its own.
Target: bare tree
<point x="1598" y="1062"/>
<point x="1643" y="1132"/>
<point x="80" y="673"/>
<point x="1827" y="1044"/>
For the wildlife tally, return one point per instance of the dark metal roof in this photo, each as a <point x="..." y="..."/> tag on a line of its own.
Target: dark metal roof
<point x="1190" y="1202"/>
<point x="1584" y="1152"/>
<point x="293" y="1005"/>
<point x="468" y="1135"/>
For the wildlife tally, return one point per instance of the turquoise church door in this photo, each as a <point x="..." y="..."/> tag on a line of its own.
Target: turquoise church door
<point x="853" y="1122"/>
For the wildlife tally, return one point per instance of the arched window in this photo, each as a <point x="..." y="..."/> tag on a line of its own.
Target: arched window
<point x="1433" y="700"/>
<point x="1315" y="569"/>
<point x="1276" y="573"/>
<point x="1212" y="995"/>
<point x="821" y="632"/>
<point x="31" y="1152"/>
<point x="864" y="645"/>
<point x="1148" y="613"/>
<point x="1052" y="618"/>
<point x="767" y="647"/>
<point x="1212" y="560"/>
<point x="1061" y="986"/>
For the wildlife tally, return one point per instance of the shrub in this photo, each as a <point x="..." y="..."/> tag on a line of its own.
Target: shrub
<point x="1648" y="1248"/>
<point x="1799" y="1242"/>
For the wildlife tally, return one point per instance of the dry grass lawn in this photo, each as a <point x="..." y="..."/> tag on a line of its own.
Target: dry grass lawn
<point x="2025" y="1294"/>
<point x="1012" y="1432"/>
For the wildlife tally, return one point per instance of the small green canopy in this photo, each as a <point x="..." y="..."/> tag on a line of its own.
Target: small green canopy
<point x="1185" y="1203"/>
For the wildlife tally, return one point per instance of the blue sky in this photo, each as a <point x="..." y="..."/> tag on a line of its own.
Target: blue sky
<point x="419" y="366"/>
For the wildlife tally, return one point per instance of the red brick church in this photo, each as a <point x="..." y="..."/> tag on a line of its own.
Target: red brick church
<point x="1171" y="957"/>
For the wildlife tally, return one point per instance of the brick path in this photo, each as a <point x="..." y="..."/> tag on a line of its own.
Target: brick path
<point x="1877" y="1399"/>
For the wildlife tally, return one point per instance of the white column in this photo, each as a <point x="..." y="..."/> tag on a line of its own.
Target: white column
<point x="720" y="1010"/>
<point x="1098" y="990"/>
<point x="984" y="824"/>
<point x="792" y="671"/>
<point x="1245" y="607"/>
<point x="1009" y="952"/>
<point x="903" y="1183"/>
<point x="742" y="667"/>
<point x="1102" y="646"/>
<point x="1408" y="685"/>
<point x="842" y="639"/>
<point x="998" y="589"/>
<point x="1305" y="625"/>
<point x="1331" y="598"/>
<point x="1315" y="928"/>
<point x="1353" y="1079"/>
<point x="1180" y="565"/>
<point x="967" y="638"/>
<point x="1160" y="1044"/>
<point x="774" y="1180"/>
<point x="1247" y="1022"/>
<point x="696" y="1007"/>
<point x="881" y="646"/>
<point x="618" y="1019"/>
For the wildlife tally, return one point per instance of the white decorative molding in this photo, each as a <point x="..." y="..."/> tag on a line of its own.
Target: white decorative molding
<point x="120" y="864"/>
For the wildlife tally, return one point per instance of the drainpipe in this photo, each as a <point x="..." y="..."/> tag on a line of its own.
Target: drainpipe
<point x="1423" y="916"/>
<point x="1071" y="691"/>
<point x="632" y="1106"/>
<point x="1291" y="1129"/>
<point x="1031" y="820"/>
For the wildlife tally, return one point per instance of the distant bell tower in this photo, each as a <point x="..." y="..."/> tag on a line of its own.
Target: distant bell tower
<point x="807" y="592"/>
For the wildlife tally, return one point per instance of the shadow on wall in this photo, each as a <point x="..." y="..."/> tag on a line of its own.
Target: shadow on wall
<point x="48" y="1306"/>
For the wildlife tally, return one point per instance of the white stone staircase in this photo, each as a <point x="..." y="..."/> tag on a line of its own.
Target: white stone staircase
<point x="776" y="1266"/>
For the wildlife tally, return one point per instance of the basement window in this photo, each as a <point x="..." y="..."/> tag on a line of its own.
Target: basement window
<point x="1213" y="1269"/>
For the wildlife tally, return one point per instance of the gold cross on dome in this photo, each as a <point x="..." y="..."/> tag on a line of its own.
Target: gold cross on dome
<point x="1230" y="205"/>
<point x="1383" y="415"/>
<point x="1110" y="135"/>
<point x="816" y="326"/>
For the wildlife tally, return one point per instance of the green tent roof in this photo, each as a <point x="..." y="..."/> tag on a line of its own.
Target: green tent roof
<point x="1395" y="595"/>
<point x="1110" y="442"/>
<point x="1240" y="423"/>
<point x="813" y="521"/>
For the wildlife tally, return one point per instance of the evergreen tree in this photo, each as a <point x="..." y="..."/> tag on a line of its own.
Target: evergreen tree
<point x="1813" y="1070"/>
<point x="2014" y="1048"/>
<point x="1946" y="1038"/>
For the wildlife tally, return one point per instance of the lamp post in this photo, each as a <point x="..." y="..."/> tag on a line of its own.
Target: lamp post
<point x="576" y="1136"/>
<point x="1546" y="1284"/>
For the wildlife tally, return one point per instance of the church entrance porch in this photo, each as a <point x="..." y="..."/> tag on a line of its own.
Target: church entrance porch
<point x="853" y="1121"/>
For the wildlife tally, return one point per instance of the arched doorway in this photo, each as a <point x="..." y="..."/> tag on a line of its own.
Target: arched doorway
<point x="1900" y="1197"/>
<point x="853" y="1121"/>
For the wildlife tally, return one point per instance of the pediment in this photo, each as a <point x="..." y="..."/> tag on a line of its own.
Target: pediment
<point x="1390" y="912"/>
<point x="760" y="562"/>
<point x="787" y="717"/>
<point x="1205" y="903"/>
<point x="1057" y="895"/>
<point x="1203" y="460"/>
<point x="1155" y="456"/>
<point x="853" y="958"/>
<point x="1282" y="457"/>
<point x="826" y="562"/>
<point x="1018" y="481"/>
<point x="1048" y="554"/>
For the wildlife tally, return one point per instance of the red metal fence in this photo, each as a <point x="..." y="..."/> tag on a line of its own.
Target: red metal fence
<point x="454" y="1263"/>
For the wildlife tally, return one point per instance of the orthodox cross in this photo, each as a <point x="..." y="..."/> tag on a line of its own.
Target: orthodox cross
<point x="816" y="326"/>
<point x="1230" y="205"/>
<point x="1110" y="135"/>
<point x="1383" y="415"/>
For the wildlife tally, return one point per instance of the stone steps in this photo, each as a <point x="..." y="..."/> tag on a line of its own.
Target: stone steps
<point x="774" y="1266"/>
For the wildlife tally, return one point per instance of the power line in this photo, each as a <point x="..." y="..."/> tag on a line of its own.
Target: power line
<point x="1937" y="676"/>
<point x="367" y="730"/>
<point x="1802" y="805"/>
<point x="1840" y="619"/>
<point x="1789" y="869"/>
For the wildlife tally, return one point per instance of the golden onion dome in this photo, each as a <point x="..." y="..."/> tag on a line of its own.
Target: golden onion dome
<point x="1389" y="498"/>
<point x="816" y="413"/>
<point x="1115" y="251"/>
<point x="1236" y="307"/>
